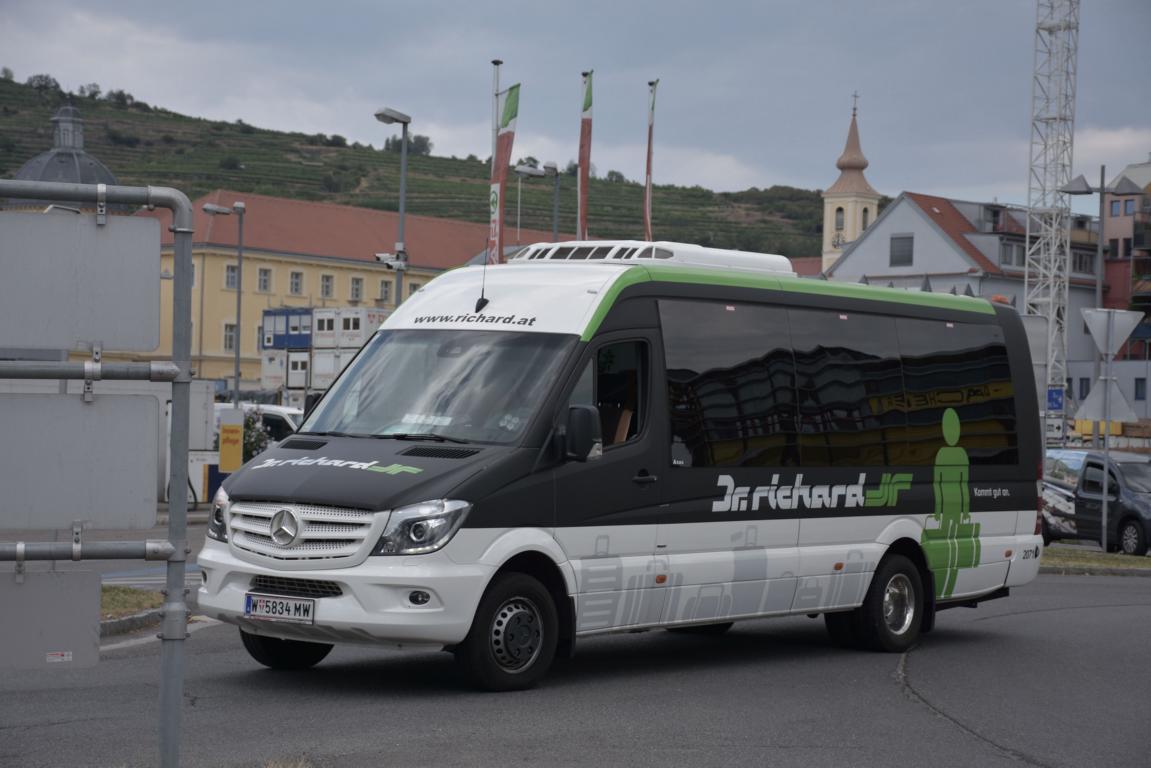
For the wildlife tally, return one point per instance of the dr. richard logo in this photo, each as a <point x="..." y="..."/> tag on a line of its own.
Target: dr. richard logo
<point x="793" y="496"/>
<point x="324" y="461"/>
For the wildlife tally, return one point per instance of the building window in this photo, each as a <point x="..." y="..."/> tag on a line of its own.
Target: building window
<point x="356" y="293"/>
<point x="902" y="250"/>
<point x="838" y="219"/>
<point x="1084" y="263"/>
<point x="866" y="217"/>
<point x="1114" y="208"/>
<point x="264" y="280"/>
<point x="229" y="337"/>
<point x="1113" y="248"/>
<point x="412" y="288"/>
<point x="1084" y="387"/>
<point x="1141" y="389"/>
<point x="327" y="286"/>
<point x="296" y="285"/>
<point x="385" y="289"/>
<point x="231" y="276"/>
<point x="1126" y="247"/>
<point x="1129" y="207"/>
<point x="1012" y="255"/>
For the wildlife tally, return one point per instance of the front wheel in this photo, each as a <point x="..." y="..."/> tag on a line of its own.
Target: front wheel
<point x="892" y="613"/>
<point x="284" y="654"/>
<point x="1132" y="539"/>
<point x="513" y="637"/>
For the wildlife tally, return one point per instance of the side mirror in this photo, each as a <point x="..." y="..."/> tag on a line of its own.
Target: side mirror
<point x="584" y="441"/>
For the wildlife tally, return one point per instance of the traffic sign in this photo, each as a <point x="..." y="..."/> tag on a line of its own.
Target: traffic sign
<point x="1055" y="399"/>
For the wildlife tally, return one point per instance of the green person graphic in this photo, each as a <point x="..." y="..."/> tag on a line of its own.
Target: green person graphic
<point x="955" y="543"/>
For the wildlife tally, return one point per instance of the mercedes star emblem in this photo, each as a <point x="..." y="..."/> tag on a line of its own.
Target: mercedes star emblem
<point x="285" y="528"/>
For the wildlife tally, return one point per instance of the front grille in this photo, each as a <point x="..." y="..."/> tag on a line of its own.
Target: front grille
<point x="325" y="533"/>
<point x="274" y="585"/>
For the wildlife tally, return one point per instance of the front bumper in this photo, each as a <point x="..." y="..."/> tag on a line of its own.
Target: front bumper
<point x="373" y="608"/>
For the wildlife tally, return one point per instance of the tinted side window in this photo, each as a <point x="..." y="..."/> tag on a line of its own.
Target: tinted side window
<point x="960" y="366"/>
<point x="731" y="384"/>
<point x="850" y="389"/>
<point x="615" y="381"/>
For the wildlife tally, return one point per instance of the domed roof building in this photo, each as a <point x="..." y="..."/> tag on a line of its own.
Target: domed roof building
<point x="65" y="162"/>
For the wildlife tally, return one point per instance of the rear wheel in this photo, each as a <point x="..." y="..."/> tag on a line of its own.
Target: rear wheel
<point x="513" y="637"/>
<point x="703" y="629"/>
<point x="1132" y="538"/>
<point x="284" y="654"/>
<point x="892" y="613"/>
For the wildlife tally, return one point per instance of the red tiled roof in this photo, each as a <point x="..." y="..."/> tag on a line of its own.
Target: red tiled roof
<point x="301" y="227"/>
<point x="955" y="225"/>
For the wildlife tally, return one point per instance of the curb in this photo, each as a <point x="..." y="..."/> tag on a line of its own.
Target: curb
<point x="1078" y="570"/>
<point x="137" y="621"/>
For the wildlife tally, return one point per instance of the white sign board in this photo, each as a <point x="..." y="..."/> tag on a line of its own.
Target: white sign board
<point x="66" y="280"/>
<point x="1122" y="323"/>
<point x="66" y="460"/>
<point x="1092" y="408"/>
<point x="51" y="620"/>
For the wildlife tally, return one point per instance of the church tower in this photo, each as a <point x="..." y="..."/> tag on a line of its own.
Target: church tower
<point x="850" y="204"/>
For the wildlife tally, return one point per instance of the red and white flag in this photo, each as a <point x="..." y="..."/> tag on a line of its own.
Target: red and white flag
<point x="647" y="178"/>
<point x="584" y="157"/>
<point x="509" y="108"/>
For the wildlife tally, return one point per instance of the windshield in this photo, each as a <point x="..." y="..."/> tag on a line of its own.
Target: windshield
<point x="1138" y="477"/>
<point x="481" y="386"/>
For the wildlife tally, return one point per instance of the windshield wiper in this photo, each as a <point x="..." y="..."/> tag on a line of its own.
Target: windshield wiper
<point x="331" y="434"/>
<point x="420" y="436"/>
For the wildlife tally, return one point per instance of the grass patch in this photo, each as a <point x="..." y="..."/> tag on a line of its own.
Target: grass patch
<point x="1075" y="556"/>
<point x="118" y="602"/>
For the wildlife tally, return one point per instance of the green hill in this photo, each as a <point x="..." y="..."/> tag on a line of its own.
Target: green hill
<point x="143" y="144"/>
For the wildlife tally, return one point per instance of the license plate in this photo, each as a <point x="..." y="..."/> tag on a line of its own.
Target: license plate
<point x="272" y="608"/>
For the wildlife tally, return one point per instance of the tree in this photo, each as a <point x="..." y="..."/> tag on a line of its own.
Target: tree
<point x="119" y="98"/>
<point x="6" y="74"/>
<point x="43" y="83"/>
<point x="616" y="177"/>
<point x="336" y="140"/>
<point x="418" y="145"/>
<point x="91" y="90"/>
<point x="572" y="168"/>
<point x="529" y="161"/>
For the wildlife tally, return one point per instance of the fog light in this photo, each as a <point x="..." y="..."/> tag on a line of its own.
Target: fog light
<point x="419" y="597"/>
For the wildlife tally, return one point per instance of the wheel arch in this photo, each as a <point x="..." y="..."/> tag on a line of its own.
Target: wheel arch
<point x="542" y="568"/>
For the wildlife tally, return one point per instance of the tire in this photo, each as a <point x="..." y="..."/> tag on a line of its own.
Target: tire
<point x="892" y="613"/>
<point x="275" y="653"/>
<point x="1046" y="533"/>
<point x="843" y="628"/>
<point x="703" y="629"/>
<point x="1132" y="539"/>
<point x="513" y="638"/>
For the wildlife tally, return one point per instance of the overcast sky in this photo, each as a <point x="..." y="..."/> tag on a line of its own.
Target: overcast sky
<point x="752" y="92"/>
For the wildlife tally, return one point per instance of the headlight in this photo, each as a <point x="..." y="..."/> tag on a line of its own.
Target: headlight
<point x="421" y="528"/>
<point x="217" y="528"/>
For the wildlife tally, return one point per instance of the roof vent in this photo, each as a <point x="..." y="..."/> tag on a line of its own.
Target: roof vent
<point x="644" y="252"/>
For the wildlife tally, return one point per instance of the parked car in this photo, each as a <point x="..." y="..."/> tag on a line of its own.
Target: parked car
<point x="1072" y="502"/>
<point x="278" y="421"/>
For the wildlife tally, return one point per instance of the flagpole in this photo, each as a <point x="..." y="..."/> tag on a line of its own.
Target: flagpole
<point x="647" y="235"/>
<point x="584" y="172"/>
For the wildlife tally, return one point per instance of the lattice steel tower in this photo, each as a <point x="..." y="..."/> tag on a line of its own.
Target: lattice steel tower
<point x="1049" y="210"/>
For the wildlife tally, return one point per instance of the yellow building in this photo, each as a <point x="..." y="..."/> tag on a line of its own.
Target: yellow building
<point x="296" y="254"/>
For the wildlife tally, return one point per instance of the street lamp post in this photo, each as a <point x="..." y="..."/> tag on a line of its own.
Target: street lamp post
<point x="239" y="208"/>
<point x="551" y="169"/>
<point x="521" y="171"/>
<point x="390" y="116"/>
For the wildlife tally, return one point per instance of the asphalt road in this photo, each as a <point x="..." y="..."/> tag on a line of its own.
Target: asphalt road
<point x="1055" y="675"/>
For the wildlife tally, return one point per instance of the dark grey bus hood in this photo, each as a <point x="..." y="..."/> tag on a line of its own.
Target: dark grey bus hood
<point x="360" y="472"/>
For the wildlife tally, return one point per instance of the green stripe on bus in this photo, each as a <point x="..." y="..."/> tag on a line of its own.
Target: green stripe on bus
<point x="663" y="274"/>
